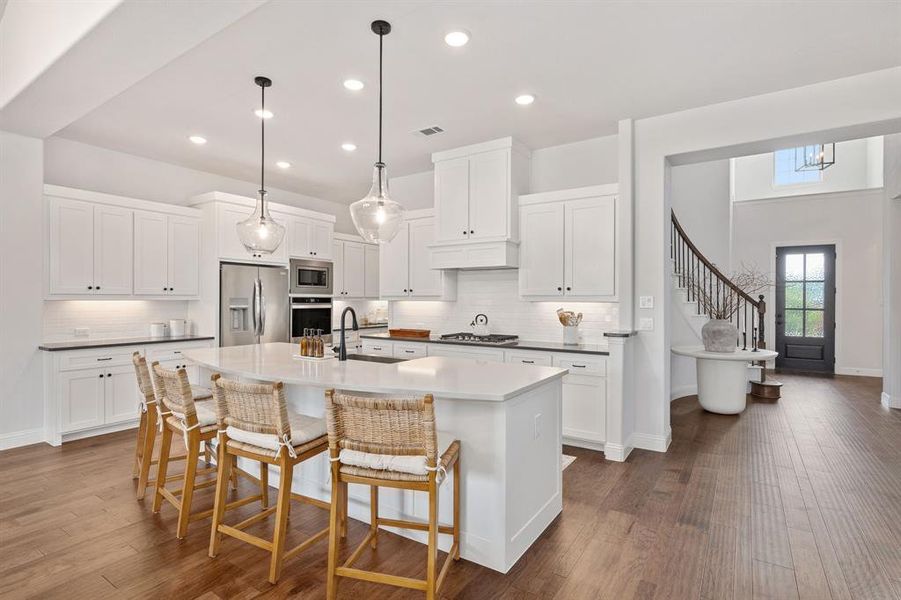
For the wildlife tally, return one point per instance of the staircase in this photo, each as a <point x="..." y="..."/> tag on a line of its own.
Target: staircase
<point x="702" y="289"/>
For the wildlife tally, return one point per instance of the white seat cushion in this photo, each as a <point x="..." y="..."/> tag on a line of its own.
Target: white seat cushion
<point x="201" y="393"/>
<point x="304" y="428"/>
<point x="414" y="465"/>
<point x="206" y="413"/>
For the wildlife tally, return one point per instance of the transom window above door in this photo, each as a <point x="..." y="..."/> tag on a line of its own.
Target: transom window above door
<point x="784" y="172"/>
<point x="805" y="294"/>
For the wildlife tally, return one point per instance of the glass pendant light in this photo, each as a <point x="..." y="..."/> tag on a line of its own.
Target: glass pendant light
<point x="259" y="232"/>
<point x="377" y="217"/>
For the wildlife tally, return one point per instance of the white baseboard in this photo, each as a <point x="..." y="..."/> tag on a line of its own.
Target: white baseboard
<point x="889" y="402"/>
<point x="102" y="430"/>
<point x="655" y="443"/>
<point x="580" y="443"/>
<point x="16" y="439"/>
<point x="682" y="391"/>
<point x="858" y="372"/>
<point x="617" y="452"/>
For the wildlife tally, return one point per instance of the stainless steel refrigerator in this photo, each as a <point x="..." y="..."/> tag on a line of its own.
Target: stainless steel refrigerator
<point x="253" y="304"/>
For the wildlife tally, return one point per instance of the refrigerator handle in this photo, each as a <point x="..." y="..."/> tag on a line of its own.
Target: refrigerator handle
<point x="262" y="309"/>
<point x="253" y="309"/>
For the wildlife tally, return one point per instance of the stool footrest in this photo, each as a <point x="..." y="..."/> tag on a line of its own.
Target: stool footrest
<point x="306" y="543"/>
<point x="246" y="537"/>
<point x="415" y="525"/>
<point x="396" y="580"/>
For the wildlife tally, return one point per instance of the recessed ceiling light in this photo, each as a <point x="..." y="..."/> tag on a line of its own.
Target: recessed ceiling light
<point x="263" y="114"/>
<point x="525" y="99"/>
<point x="283" y="164"/>
<point x="457" y="38"/>
<point x="348" y="147"/>
<point x="197" y="139"/>
<point x="354" y="85"/>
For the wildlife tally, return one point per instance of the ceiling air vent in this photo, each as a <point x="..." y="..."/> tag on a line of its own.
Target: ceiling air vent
<point x="429" y="131"/>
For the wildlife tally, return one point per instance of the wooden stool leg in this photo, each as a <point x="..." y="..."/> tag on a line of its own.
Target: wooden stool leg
<point x="457" y="508"/>
<point x="374" y="514"/>
<point x="264" y="485"/>
<point x="431" y="565"/>
<point x="187" y="493"/>
<point x="139" y="446"/>
<point x="147" y="452"/>
<point x="161" y="468"/>
<point x="343" y="510"/>
<point x="222" y="478"/>
<point x="207" y="455"/>
<point x="234" y="478"/>
<point x="334" y="518"/>
<point x="281" y="517"/>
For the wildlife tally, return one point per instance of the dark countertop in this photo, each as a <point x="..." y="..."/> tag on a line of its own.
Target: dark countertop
<point x="111" y="342"/>
<point x="599" y="349"/>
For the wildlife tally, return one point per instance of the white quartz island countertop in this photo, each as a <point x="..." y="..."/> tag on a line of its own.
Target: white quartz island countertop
<point x="444" y="377"/>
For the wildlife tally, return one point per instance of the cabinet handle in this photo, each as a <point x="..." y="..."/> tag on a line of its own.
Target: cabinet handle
<point x="464" y="232"/>
<point x="90" y="287"/>
<point x="578" y="366"/>
<point x="107" y="358"/>
<point x="471" y="231"/>
<point x="97" y="287"/>
<point x="101" y="376"/>
<point x="559" y="289"/>
<point x="376" y="347"/>
<point x="411" y="290"/>
<point x="529" y="362"/>
<point x="109" y="374"/>
<point x="410" y="351"/>
<point x="568" y="289"/>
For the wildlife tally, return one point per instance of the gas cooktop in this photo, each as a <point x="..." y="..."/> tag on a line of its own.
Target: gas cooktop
<point x="493" y="339"/>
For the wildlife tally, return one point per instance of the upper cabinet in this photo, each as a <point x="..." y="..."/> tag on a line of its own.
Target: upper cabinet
<point x="404" y="270"/>
<point x="476" y="188"/>
<point x="167" y="254"/>
<point x="229" y="244"/>
<point x="568" y="244"/>
<point x="371" y="271"/>
<point x="310" y="238"/>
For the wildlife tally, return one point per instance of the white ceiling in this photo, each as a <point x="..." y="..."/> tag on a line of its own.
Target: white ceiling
<point x="588" y="63"/>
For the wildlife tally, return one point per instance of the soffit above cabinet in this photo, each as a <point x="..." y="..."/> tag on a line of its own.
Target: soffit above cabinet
<point x="249" y="203"/>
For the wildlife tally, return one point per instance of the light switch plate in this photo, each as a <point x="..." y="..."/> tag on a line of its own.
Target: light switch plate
<point x="646" y="324"/>
<point x="646" y="302"/>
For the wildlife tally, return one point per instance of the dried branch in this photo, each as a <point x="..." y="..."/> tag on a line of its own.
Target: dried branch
<point x="724" y="302"/>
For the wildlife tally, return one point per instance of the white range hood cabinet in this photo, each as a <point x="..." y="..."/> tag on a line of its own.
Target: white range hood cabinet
<point x="476" y="214"/>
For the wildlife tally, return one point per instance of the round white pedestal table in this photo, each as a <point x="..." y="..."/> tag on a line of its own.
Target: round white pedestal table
<point x="723" y="376"/>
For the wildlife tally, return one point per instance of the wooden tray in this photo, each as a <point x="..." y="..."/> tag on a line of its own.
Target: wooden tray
<point x="296" y="356"/>
<point x="410" y="333"/>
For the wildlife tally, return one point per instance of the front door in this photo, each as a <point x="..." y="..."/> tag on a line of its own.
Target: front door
<point x="805" y="308"/>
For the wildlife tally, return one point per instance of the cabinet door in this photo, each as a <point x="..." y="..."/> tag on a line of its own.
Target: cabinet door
<point x="370" y="271"/>
<point x="585" y="408"/>
<point x="81" y="399"/>
<point x="151" y="254"/>
<point x="229" y="245"/>
<point x="452" y="199"/>
<point x="121" y="395"/>
<point x="300" y="238"/>
<point x="113" y="247"/>
<point x="354" y="269"/>
<point x="590" y="246"/>
<point x="489" y="194"/>
<point x="281" y="253"/>
<point x="394" y="260"/>
<point x="541" y="250"/>
<point x="71" y="246"/>
<point x="424" y="281"/>
<point x="321" y="239"/>
<point x="338" y="269"/>
<point x="184" y="256"/>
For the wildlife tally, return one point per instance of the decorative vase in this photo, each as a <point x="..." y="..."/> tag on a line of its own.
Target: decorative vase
<point x="571" y="335"/>
<point x="719" y="335"/>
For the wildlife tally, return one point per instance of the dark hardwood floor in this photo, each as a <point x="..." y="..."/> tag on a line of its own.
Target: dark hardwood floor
<point x="800" y="498"/>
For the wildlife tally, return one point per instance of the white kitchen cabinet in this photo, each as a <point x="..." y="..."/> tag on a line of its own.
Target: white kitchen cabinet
<point x="584" y="400"/>
<point x="370" y="271"/>
<point x="473" y="352"/>
<point x="410" y="351"/>
<point x="526" y="357"/>
<point x="404" y="269"/>
<point x="121" y="397"/>
<point x="452" y="187"/>
<point x="166" y="255"/>
<point x="378" y="347"/>
<point x="310" y="238"/>
<point x="490" y="204"/>
<point x="229" y="245"/>
<point x="568" y="245"/>
<point x="81" y="400"/>
<point x="542" y="249"/>
<point x="113" y="247"/>
<point x="348" y="269"/>
<point x="89" y="248"/>
<point x="338" y="269"/>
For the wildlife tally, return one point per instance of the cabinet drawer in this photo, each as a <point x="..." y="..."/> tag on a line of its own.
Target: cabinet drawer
<point x="410" y="351"/>
<point x="378" y="348"/>
<point x="580" y="365"/>
<point x="528" y="358"/>
<point x="87" y="359"/>
<point x="169" y="352"/>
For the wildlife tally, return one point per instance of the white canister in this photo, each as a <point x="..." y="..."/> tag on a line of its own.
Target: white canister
<point x="177" y="327"/>
<point x="571" y="335"/>
<point x="158" y="330"/>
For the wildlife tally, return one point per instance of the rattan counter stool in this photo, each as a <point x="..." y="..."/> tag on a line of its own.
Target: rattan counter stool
<point x="255" y="423"/>
<point x="390" y="442"/>
<point x="196" y="423"/>
<point x="148" y="424"/>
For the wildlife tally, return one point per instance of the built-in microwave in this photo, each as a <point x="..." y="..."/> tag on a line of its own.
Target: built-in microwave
<point x="311" y="277"/>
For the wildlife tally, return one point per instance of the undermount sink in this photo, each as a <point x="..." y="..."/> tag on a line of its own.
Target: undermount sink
<point x="372" y="358"/>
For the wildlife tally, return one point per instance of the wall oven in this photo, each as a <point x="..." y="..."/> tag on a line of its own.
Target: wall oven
<point x="311" y="277"/>
<point x="311" y="313"/>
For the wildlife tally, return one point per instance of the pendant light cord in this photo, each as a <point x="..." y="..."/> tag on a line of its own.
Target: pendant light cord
<point x="262" y="148"/>
<point x="381" y="39"/>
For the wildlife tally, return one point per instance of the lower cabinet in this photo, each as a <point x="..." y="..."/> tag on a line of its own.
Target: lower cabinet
<point x="100" y="396"/>
<point x="483" y="354"/>
<point x="378" y="347"/>
<point x="584" y="410"/>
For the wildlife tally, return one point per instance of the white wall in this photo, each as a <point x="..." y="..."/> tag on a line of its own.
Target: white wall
<point x="858" y="166"/>
<point x="589" y="162"/>
<point x="414" y="191"/>
<point x="21" y="244"/>
<point x="89" y="167"/>
<point x="851" y="220"/>
<point x="496" y="294"/>
<point x="891" y="381"/>
<point x="701" y="200"/>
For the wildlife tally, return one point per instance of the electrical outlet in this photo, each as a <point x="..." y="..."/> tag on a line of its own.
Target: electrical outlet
<point x="537" y="426"/>
<point x="646" y="324"/>
<point x="646" y="302"/>
<point x="82" y="332"/>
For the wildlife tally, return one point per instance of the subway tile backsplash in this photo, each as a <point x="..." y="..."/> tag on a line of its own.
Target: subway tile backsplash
<point x="496" y="294"/>
<point x="108" y="318"/>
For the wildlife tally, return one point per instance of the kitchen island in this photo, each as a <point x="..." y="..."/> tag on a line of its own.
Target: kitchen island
<point x="506" y="416"/>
